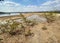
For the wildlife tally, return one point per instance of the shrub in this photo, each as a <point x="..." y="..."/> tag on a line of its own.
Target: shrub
<point x="28" y="22"/>
<point x="13" y="28"/>
<point x="1" y="40"/>
<point x="44" y="28"/>
<point x="50" y="17"/>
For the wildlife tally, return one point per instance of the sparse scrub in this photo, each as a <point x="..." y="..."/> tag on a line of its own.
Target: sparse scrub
<point x="1" y="40"/>
<point x="31" y="23"/>
<point x="13" y="28"/>
<point x="24" y="18"/>
<point x="28" y="31"/>
<point x="44" y="28"/>
<point x="28" y="22"/>
<point x="50" y="17"/>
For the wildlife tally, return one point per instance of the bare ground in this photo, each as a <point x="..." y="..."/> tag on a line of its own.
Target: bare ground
<point x="42" y="33"/>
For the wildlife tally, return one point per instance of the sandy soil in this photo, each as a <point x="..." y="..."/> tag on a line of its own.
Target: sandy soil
<point x="42" y="33"/>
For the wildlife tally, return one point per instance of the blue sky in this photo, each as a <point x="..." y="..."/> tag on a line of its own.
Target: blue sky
<point x="30" y="2"/>
<point x="29" y="5"/>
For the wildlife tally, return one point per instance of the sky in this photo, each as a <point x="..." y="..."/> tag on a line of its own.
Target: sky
<point x="29" y="5"/>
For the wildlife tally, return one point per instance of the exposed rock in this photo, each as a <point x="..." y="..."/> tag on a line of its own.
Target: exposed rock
<point x="37" y="18"/>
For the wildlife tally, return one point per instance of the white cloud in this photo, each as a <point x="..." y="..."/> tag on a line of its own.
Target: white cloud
<point x="51" y="5"/>
<point x="9" y="3"/>
<point x="48" y="3"/>
<point x="51" y="2"/>
<point x="9" y="6"/>
<point x="12" y="6"/>
<point x="31" y="8"/>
